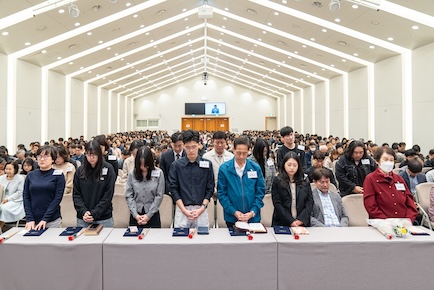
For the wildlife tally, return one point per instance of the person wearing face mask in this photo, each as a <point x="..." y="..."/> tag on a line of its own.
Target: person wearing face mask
<point x="385" y="193"/>
<point x="309" y="154"/>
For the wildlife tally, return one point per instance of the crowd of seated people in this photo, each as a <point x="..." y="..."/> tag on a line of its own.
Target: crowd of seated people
<point x="283" y="163"/>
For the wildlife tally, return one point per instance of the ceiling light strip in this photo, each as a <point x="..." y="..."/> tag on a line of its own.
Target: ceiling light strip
<point x="290" y="36"/>
<point x="407" y="13"/>
<point x="332" y="26"/>
<point x="82" y="29"/>
<point x="263" y="67"/>
<point x="282" y="51"/>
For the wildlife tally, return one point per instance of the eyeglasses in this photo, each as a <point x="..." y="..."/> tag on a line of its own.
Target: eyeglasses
<point x="43" y="157"/>
<point x="91" y="155"/>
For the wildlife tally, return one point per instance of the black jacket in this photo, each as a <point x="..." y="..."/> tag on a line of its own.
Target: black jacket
<point x="350" y="175"/>
<point x="282" y="200"/>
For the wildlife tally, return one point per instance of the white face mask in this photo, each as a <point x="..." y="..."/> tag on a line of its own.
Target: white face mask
<point x="387" y="166"/>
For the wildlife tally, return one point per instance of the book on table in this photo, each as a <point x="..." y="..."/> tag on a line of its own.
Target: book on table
<point x="93" y="230"/>
<point x="251" y="227"/>
<point x="300" y="230"/>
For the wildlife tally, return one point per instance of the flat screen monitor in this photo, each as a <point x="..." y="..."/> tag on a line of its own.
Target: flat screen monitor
<point x="215" y="108"/>
<point x="194" y="108"/>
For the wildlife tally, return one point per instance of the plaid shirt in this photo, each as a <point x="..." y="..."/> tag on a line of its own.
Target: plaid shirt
<point x="330" y="217"/>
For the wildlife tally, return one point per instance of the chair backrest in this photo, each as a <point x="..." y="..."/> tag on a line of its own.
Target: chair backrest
<point x="120" y="188"/>
<point x="332" y="187"/>
<point x="69" y="214"/>
<point x="396" y="170"/>
<point x="355" y="208"/>
<point x="211" y="213"/>
<point x="423" y="194"/>
<point x="1" y="191"/>
<point x="220" y="216"/>
<point x="426" y="169"/>
<point x="267" y="211"/>
<point x="166" y="211"/>
<point x="121" y="212"/>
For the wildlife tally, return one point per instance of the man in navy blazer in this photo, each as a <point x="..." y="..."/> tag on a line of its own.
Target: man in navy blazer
<point x="177" y="152"/>
<point x="328" y="210"/>
<point x="413" y="175"/>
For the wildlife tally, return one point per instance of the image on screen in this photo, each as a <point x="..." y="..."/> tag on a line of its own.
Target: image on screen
<point x="215" y="108"/>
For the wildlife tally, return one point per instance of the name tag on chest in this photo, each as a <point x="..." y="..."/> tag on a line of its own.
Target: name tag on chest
<point x="252" y="174"/>
<point x="400" y="186"/>
<point x="204" y="164"/>
<point x="365" y="161"/>
<point x="104" y="171"/>
<point x="112" y="157"/>
<point x="155" y="173"/>
<point x="68" y="169"/>
<point x="270" y="162"/>
<point x="57" y="172"/>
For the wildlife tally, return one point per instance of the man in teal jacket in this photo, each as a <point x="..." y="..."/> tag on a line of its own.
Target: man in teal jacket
<point x="241" y="186"/>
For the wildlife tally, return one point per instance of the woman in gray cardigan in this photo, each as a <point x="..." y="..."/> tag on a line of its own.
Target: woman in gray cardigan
<point x="144" y="191"/>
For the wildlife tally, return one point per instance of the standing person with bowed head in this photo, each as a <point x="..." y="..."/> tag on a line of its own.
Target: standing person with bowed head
<point x="352" y="168"/>
<point x="261" y="155"/>
<point x="11" y="206"/>
<point x="68" y="169"/>
<point x="145" y="190"/>
<point x="107" y="153"/>
<point x="94" y="188"/>
<point x="385" y="193"/>
<point x="43" y="192"/>
<point x="291" y="194"/>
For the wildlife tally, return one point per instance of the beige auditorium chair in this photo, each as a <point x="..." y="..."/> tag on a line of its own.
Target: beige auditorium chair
<point x="423" y="196"/>
<point x="267" y="211"/>
<point x="426" y="169"/>
<point x="211" y="213"/>
<point x="396" y="170"/>
<point x="332" y="187"/>
<point x="220" y="216"/>
<point x="121" y="213"/>
<point x="166" y="211"/>
<point x="355" y="208"/>
<point x="69" y="214"/>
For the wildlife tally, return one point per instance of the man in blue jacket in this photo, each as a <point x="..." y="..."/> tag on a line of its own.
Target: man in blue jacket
<point x="241" y="186"/>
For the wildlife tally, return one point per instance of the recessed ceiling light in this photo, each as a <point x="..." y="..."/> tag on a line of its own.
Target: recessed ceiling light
<point x="147" y="33"/>
<point x="185" y="19"/>
<point x="27" y="43"/>
<point x="128" y="4"/>
<point x="89" y="72"/>
<point x="323" y="69"/>
<point x="332" y="65"/>
<point x="61" y="11"/>
<point x="264" y="32"/>
<point x="355" y="54"/>
<point x="276" y="13"/>
<point x="415" y="27"/>
<point x="59" y="58"/>
<point x="100" y="41"/>
<point x="77" y="23"/>
<point x="344" y="60"/>
<point x="116" y="54"/>
<point x="44" y="51"/>
<point x="296" y="52"/>
<point x="371" y="47"/>
<point x="269" y="24"/>
<point x="304" y="46"/>
<point x="259" y="39"/>
<point x="108" y="48"/>
<point x="142" y="26"/>
<point x="135" y="16"/>
<point x="355" y="6"/>
<point x="284" y="1"/>
<point x="312" y="39"/>
<point x="337" y="20"/>
<point x="71" y="62"/>
<point x="324" y="30"/>
<point x="185" y="9"/>
<point x="89" y="33"/>
<point x="390" y="38"/>
<point x="5" y="33"/>
<point x="226" y="9"/>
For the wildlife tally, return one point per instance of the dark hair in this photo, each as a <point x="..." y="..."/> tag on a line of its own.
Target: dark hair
<point x="353" y="145"/>
<point x="143" y="154"/>
<point x="283" y="176"/>
<point x="242" y="140"/>
<point x="136" y="144"/>
<point x="431" y="152"/>
<point x="318" y="155"/>
<point x="416" y="148"/>
<point x="395" y="146"/>
<point x="219" y="135"/>
<point x="258" y="153"/>
<point x="190" y="135"/>
<point x="126" y="152"/>
<point x="320" y="173"/>
<point x="415" y="166"/>
<point x="176" y="137"/>
<point x="385" y="145"/>
<point x="28" y="161"/>
<point x="410" y="152"/>
<point x="61" y="151"/>
<point x="401" y="144"/>
<point x="381" y="150"/>
<point x="14" y="164"/>
<point x="48" y="150"/>
<point x="286" y="131"/>
<point x="102" y="140"/>
<point x="92" y="147"/>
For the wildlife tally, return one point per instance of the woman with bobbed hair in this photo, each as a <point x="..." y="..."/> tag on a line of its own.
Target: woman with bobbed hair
<point x="261" y="155"/>
<point x="43" y="192"/>
<point x="145" y="190"/>
<point x="385" y="193"/>
<point x="11" y="205"/>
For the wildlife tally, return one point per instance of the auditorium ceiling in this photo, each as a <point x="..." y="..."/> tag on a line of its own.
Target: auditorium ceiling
<point x="139" y="47"/>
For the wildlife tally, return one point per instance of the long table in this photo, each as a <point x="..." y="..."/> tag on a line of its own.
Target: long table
<point x="215" y="261"/>
<point x="51" y="261"/>
<point x="354" y="258"/>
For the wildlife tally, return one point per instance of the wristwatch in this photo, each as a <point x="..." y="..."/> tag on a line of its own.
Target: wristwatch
<point x="205" y="205"/>
<point x="253" y="213"/>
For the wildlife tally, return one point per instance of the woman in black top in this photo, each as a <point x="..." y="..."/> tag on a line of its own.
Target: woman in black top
<point x="93" y="188"/>
<point x="291" y="194"/>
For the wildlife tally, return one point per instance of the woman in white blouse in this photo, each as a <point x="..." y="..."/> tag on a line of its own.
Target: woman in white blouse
<point x="11" y="207"/>
<point x="145" y="190"/>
